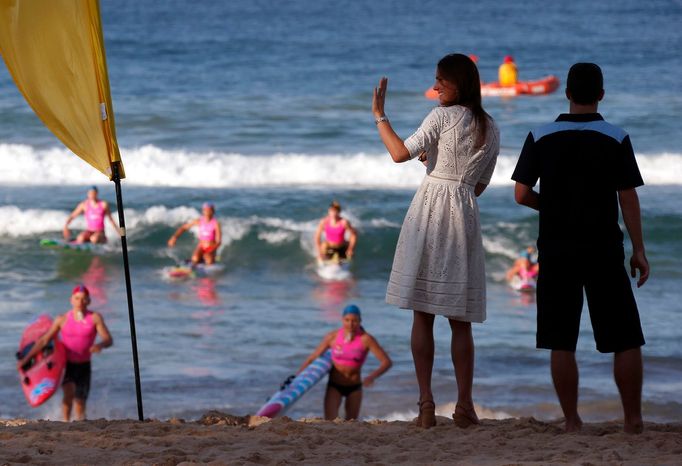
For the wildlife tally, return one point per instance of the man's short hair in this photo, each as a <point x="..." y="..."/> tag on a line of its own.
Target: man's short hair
<point x="585" y="83"/>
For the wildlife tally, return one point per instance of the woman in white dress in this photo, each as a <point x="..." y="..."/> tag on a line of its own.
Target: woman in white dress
<point x="439" y="267"/>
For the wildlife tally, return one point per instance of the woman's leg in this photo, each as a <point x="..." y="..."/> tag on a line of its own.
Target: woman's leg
<point x="353" y="402"/>
<point x="98" y="237"/>
<point x="423" y="352"/>
<point x="209" y="257"/>
<point x="462" y="349"/>
<point x="332" y="402"/>
<point x="83" y="237"/>
<point x="197" y="255"/>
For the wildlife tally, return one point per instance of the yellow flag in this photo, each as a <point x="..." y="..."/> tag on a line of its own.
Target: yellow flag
<point x="54" y="51"/>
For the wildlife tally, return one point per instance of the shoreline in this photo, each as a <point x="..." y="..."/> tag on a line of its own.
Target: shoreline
<point x="221" y="438"/>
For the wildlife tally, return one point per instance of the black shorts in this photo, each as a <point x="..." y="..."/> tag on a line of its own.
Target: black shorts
<point x="340" y="250"/>
<point x="611" y="303"/>
<point x="344" y="390"/>
<point x="78" y="374"/>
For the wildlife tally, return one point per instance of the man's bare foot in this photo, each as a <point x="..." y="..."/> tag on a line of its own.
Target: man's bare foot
<point x="574" y="425"/>
<point x="634" y="427"/>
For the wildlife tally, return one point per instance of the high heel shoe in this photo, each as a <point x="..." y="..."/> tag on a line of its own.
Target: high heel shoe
<point x="427" y="414"/>
<point x="464" y="417"/>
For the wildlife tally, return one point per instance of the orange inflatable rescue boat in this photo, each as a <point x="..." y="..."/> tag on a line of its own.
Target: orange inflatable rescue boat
<point x="542" y="86"/>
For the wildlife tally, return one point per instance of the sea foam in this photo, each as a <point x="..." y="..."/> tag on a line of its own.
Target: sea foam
<point x="153" y="166"/>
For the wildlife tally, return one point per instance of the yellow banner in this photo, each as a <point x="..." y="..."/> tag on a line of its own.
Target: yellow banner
<point x="54" y="50"/>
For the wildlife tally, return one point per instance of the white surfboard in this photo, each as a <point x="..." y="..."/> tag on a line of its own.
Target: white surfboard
<point x="334" y="269"/>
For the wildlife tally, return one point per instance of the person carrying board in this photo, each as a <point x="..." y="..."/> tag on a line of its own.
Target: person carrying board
<point x="349" y="346"/>
<point x="78" y="330"/>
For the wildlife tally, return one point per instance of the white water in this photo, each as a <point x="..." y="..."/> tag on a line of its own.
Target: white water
<point x="152" y="166"/>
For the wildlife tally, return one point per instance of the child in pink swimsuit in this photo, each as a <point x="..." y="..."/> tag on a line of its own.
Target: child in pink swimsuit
<point x="349" y="346"/>
<point x="78" y="329"/>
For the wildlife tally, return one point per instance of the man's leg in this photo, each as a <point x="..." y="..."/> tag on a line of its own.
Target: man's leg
<point x="565" y="377"/>
<point x="627" y="370"/>
<point x="618" y="330"/>
<point x="560" y="303"/>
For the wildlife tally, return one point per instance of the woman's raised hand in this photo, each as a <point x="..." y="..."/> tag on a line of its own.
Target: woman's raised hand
<point x="379" y="98"/>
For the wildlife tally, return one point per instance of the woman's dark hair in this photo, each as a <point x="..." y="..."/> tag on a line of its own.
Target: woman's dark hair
<point x="462" y="72"/>
<point x="585" y="83"/>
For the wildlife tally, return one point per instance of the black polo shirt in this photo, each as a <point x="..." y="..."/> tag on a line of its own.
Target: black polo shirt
<point x="582" y="162"/>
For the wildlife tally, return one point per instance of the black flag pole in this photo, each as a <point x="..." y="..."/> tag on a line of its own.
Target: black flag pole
<point x="126" y="269"/>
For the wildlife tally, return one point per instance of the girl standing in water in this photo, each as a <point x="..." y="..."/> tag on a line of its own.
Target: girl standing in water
<point x="349" y="346"/>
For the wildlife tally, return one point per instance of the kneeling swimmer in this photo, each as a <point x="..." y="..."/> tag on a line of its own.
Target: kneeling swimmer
<point x="210" y="235"/>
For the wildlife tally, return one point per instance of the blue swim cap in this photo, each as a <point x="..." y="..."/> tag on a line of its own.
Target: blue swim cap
<point x="93" y="188"/>
<point x="525" y="254"/>
<point x="351" y="309"/>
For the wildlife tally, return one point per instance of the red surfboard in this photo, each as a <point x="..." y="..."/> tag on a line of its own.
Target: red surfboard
<point x="41" y="376"/>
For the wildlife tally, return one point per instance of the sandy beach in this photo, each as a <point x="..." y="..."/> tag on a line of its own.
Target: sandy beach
<point x="220" y="438"/>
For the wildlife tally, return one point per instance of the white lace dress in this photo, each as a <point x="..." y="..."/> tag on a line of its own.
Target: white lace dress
<point x="439" y="263"/>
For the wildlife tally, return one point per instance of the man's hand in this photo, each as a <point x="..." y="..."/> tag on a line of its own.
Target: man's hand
<point x="639" y="262"/>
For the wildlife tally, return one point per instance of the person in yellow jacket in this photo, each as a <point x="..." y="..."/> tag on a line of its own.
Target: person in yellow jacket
<point x="507" y="73"/>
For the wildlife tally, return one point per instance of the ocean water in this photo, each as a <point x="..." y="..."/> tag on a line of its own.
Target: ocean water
<point x="264" y="108"/>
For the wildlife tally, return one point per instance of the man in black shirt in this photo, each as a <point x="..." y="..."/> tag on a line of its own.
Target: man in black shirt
<point x="586" y="168"/>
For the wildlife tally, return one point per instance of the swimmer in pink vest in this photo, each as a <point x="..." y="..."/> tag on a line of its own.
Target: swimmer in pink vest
<point x="210" y="235"/>
<point x="524" y="266"/>
<point x="349" y="346"/>
<point x="94" y="210"/>
<point x="334" y="228"/>
<point x="78" y="329"/>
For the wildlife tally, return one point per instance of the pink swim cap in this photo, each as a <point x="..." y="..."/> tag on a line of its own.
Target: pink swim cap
<point x="80" y="289"/>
